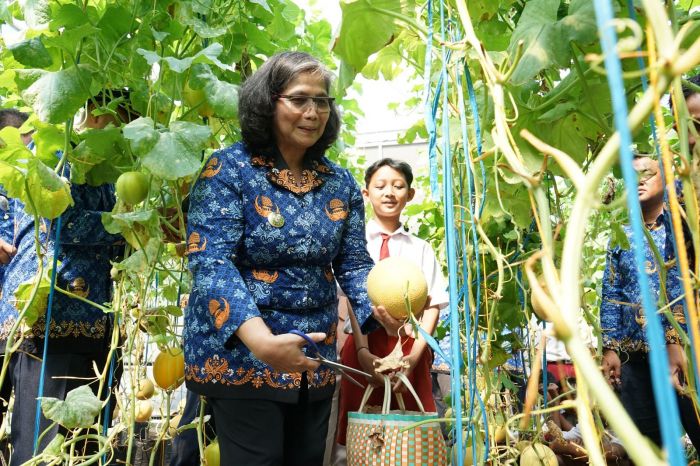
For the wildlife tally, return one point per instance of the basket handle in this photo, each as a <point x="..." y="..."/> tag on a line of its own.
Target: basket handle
<point x="407" y="384"/>
<point x="387" y="396"/>
<point x="386" y="403"/>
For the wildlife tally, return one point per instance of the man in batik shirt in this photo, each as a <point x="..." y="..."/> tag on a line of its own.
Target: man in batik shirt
<point x="623" y="322"/>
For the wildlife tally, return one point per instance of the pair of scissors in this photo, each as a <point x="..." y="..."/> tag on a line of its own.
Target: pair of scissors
<point x="314" y="353"/>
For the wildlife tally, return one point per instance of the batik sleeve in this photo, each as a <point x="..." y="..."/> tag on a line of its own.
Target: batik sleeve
<point x="215" y="229"/>
<point x="353" y="263"/>
<point x="611" y="302"/>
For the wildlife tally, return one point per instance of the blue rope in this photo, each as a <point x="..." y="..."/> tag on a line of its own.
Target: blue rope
<point x="477" y="137"/>
<point x="429" y="117"/>
<point x="471" y="370"/>
<point x="47" y="328"/>
<point x="456" y="381"/>
<point x="663" y="391"/>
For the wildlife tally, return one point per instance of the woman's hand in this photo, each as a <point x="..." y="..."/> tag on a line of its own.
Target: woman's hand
<point x="281" y="352"/>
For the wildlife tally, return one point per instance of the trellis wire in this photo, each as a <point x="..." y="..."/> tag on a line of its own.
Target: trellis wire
<point x="663" y="391"/>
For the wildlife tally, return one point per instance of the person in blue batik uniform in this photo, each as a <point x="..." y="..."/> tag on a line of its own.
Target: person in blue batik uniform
<point x="79" y="334"/>
<point x="272" y="225"/>
<point x="622" y="319"/>
<point x="14" y="118"/>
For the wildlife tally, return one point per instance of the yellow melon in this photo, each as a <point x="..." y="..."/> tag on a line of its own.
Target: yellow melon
<point x="392" y="280"/>
<point x="538" y="454"/>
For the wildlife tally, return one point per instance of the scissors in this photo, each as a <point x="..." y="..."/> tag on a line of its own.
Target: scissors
<point x="314" y="353"/>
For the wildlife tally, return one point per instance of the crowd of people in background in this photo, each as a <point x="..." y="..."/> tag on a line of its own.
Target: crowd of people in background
<point x="287" y="248"/>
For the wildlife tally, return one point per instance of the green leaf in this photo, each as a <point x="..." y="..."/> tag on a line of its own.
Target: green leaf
<point x="23" y="294"/>
<point x="364" y="30"/>
<point x="141" y="134"/>
<point x="70" y="38"/>
<point x="387" y="63"/>
<point x="220" y="95"/>
<point x="69" y="16"/>
<point x="202" y="28"/>
<point x="173" y="310"/>
<point x="55" y="447"/>
<point x="208" y="55"/>
<point x="618" y="237"/>
<point x="177" y="154"/>
<point x="49" y="192"/>
<point x="31" y="53"/>
<point x="25" y="78"/>
<point x="579" y="25"/>
<point x="546" y="39"/>
<point x="5" y="14"/>
<point x="56" y="96"/>
<point x="79" y="409"/>
<point x="535" y="30"/>
<point x="262" y="3"/>
<point x="36" y="12"/>
<point x="141" y="260"/>
<point x="116" y="23"/>
<point x="48" y="140"/>
<point x="97" y="146"/>
<point x="136" y="227"/>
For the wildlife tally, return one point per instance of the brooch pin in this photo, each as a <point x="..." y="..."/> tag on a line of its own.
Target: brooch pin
<point x="275" y="219"/>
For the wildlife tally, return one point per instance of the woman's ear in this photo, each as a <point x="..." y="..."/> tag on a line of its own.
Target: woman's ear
<point x="365" y="194"/>
<point x="411" y="193"/>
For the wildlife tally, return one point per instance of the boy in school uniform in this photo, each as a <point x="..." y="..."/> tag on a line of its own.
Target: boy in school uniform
<point x="388" y="189"/>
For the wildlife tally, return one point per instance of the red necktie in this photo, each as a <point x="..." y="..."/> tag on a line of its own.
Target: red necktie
<point x="384" y="249"/>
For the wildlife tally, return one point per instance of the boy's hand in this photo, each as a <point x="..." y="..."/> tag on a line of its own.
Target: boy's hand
<point x="611" y="367"/>
<point x="366" y="360"/>
<point x="390" y="324"/>
<point x="412" y="361"/>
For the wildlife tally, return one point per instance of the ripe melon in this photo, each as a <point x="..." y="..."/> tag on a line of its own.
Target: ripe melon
<point x="538" y="455"/>
<point x="391" y="280"/>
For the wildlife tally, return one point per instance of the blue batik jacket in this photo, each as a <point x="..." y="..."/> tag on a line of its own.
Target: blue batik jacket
<point x="7" y="230"/>
<point x="260" y="245"/>
<point x="84" y="264"/>
<point x="621" y="315"/>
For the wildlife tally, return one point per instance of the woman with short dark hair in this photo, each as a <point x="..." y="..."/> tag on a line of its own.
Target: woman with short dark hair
<point x="272" y="225"/>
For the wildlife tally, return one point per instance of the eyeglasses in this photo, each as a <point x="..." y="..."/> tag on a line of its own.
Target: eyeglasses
<point x="302" y="103"/>
<point x="646" y="174"/>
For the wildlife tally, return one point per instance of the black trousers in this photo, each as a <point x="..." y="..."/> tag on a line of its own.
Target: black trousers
<point x="185" y="449"/>
<point x="637" y="396"/>
<point x="60" y="369"/>
<point x="271" y="433"/>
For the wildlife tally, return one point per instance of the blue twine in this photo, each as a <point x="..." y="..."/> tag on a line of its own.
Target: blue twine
<point x="456" y="381"/>
<point x="663" y="391"/>
<point x="471" y="371"/>
<point x="47" y="327"/>
<point x="477" y="137"/>
<point x="429" y="116"/>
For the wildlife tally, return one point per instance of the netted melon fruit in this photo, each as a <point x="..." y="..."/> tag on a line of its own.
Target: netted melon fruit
<point x="392" y="280"/>
<point x="538" y="455"/>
